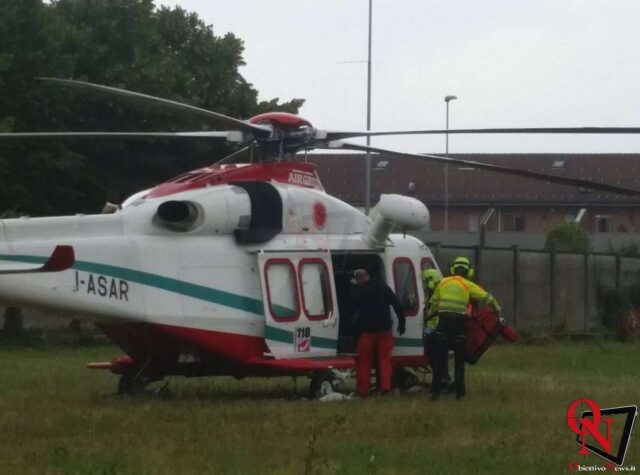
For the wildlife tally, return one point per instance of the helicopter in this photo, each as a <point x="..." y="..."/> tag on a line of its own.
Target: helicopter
<point x="239" y="269"/>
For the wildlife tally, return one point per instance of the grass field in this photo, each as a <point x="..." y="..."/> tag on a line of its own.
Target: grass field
<point x="58" y="417"/>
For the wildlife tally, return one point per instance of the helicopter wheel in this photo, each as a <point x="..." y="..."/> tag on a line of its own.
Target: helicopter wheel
<point x="404" y="379"/>
<point x="322" y="384"/>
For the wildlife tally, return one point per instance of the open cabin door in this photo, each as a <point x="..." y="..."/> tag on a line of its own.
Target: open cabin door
<point x="301" y="314"/>
<point x="403" y="276"/>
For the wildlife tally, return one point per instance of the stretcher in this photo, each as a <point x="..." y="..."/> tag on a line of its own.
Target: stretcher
<point x="482" y="329"/>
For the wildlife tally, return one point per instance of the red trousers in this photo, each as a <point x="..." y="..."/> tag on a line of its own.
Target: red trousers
<point x="369" y="345"/>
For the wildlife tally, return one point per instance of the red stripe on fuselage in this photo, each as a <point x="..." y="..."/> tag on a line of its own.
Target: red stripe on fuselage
<point x="223" y="353"/>
<point x="229" y="346"/>
<point x="165" y="343"/>
<point x="299" y="174"/>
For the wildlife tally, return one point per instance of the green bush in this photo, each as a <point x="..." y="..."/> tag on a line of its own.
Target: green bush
<point x="618" y="308"/>
<point x="567" y="237"/>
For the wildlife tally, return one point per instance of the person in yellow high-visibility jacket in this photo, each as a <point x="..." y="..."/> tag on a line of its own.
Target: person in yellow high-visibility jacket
<point x="450" y="304"/>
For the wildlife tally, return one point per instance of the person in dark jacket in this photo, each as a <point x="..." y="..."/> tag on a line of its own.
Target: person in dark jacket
<point x="374" y="326"/>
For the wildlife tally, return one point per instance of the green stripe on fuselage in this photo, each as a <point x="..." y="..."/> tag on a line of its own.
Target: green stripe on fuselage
<point x="284" y="336"/>
<point x="407" y="342"/>
<point x="25" y="259"/>
<point x="277" y="334"/>
<point x="188" y="289"/>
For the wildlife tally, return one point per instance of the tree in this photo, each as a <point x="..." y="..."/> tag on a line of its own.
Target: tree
<point x="131" y="44"/>
<point x="567" y="237"/>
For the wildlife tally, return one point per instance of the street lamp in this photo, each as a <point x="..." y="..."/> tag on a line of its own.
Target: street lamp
<point x="447" y="99"/>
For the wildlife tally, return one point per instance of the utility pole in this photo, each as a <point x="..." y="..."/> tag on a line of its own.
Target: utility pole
<point x="367" y="161"/>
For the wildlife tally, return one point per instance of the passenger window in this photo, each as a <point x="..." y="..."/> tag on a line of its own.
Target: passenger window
<point x="316" y="292"/>
<point x="404" y="277"/>
<point x="282" y="290"/>
<point x="427" y="263"/>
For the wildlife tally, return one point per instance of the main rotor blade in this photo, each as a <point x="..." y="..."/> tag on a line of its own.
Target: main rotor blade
<point x="229" y="136"/>
<point x="493" y="168"/>
<point x="219" y="121"/>
<point x="337" y="135"/>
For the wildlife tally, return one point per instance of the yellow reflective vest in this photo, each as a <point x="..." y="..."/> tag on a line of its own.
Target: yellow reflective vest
<point x="453" y="294"/>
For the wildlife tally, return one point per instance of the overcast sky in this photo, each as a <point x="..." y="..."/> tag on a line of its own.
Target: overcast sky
<point x="514" y="63"/>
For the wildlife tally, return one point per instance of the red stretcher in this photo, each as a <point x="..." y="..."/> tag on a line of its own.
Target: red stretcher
<point x="482" y="328"/>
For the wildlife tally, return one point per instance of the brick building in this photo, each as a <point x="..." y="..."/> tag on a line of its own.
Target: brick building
<point x="519" y="204"/>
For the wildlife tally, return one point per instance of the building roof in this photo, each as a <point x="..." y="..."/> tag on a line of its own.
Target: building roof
<point x="343" y="176"/>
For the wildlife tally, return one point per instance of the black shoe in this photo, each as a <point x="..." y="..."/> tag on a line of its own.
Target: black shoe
<point x="434" y="396"/>
<point x="461" y="391"/>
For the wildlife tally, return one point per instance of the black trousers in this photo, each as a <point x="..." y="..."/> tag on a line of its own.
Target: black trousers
<point x="429" y="344"/>
<point x="450" y="335"/>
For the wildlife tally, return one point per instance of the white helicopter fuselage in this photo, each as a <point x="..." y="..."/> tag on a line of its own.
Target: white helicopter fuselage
<point x="195" y="283"/>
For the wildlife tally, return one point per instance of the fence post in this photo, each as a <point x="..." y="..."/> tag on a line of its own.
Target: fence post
<point x="586" y="291"/>
<point x="516" y="281"/>
<point x="478" y="258"/>
<point x="552" y="286"/>
<point x="618" y="271"/>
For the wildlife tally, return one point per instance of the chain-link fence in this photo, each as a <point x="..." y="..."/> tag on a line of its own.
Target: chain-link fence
<point x="547" y="290"/>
